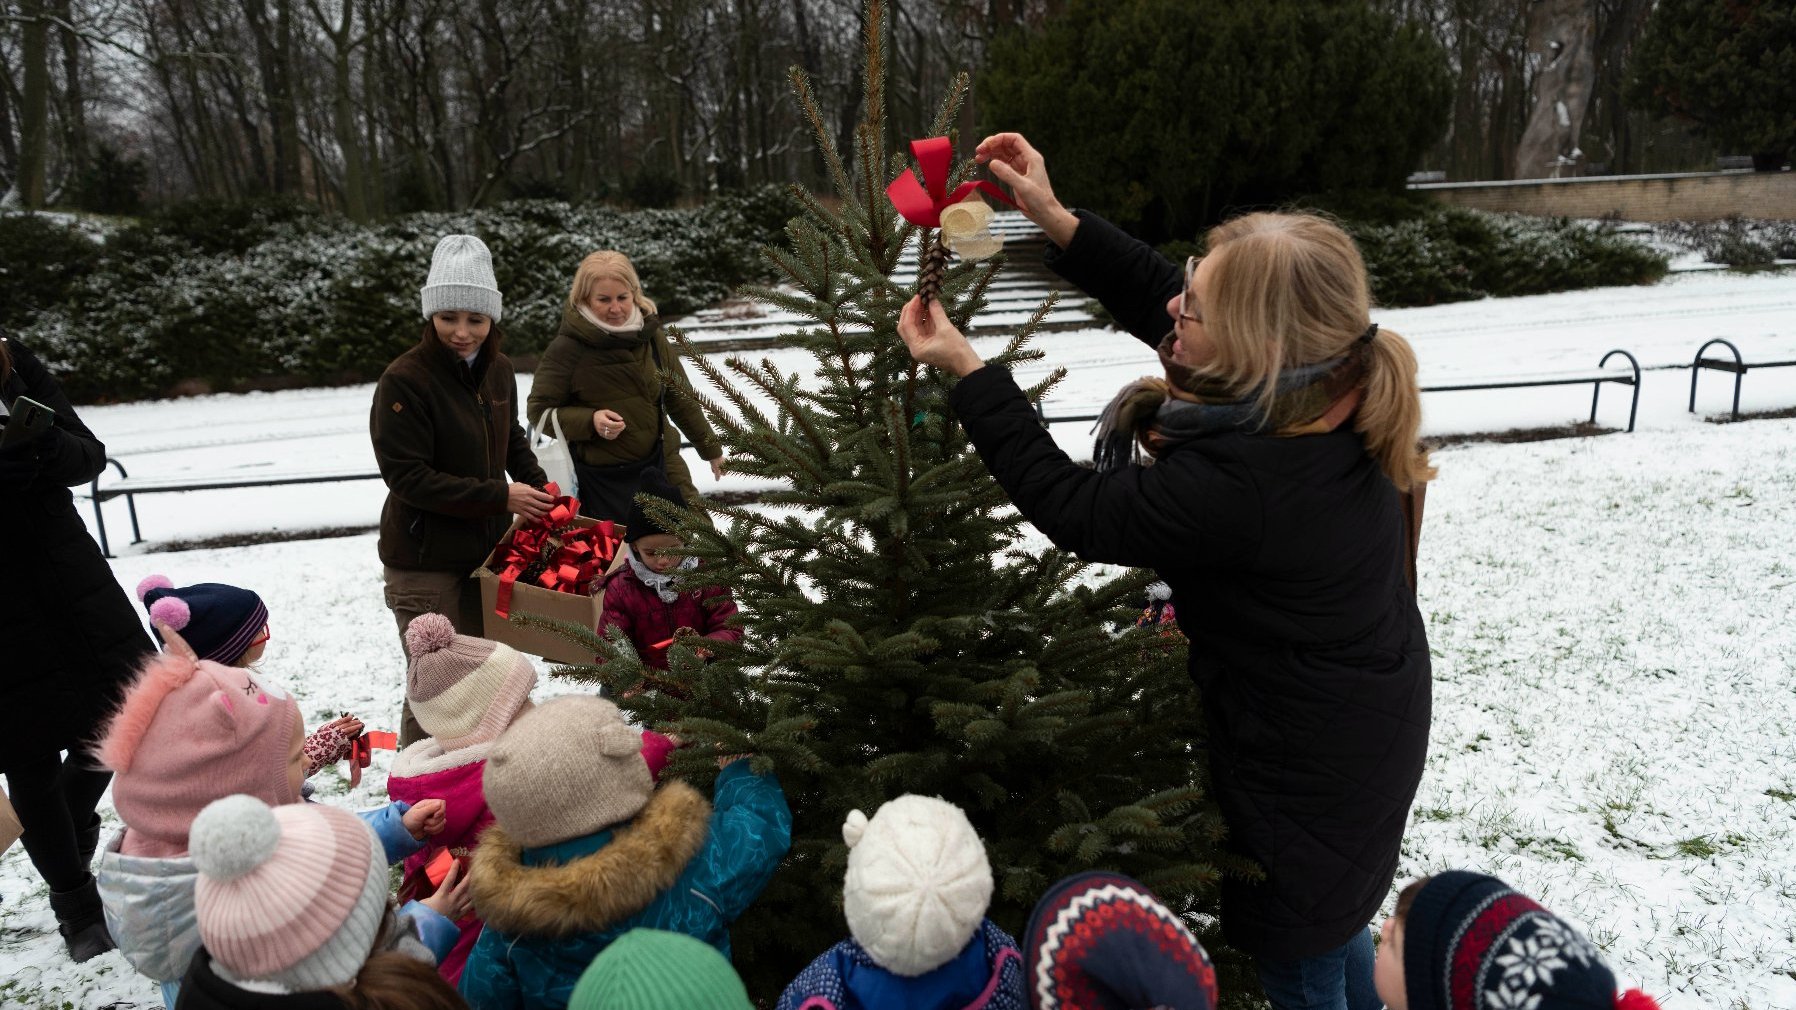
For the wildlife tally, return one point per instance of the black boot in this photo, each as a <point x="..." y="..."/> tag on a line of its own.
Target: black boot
<point x="87" y="841"/>
<point x="82" y="921"/>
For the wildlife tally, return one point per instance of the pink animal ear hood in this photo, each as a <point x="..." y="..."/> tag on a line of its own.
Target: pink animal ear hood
<point x="190" y="732"/>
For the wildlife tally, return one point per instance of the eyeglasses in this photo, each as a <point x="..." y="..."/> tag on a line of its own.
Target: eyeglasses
<point x="261" y="638"/>
<point x="1188" y="309"/>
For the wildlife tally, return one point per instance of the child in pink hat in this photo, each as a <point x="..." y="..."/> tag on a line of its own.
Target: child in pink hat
<point x="293" y="909"/>
<point x="464" y="691"/>
<point x="191" y="731"/>
<point x="228" y="624"/>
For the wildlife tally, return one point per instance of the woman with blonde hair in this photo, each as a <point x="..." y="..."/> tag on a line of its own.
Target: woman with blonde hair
<point x="602" y="375"/>
<point x="1282" y="444"/>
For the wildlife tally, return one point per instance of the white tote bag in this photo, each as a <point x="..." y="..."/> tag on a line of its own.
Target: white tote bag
<point x="552" y="454"/>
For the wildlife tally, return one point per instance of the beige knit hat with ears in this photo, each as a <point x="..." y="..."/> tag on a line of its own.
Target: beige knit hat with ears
<point x="918" y="883"/>
<point x="567" y="768"/>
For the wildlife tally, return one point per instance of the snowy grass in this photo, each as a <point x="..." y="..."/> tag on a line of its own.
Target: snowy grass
<point x="1612" y="627"/>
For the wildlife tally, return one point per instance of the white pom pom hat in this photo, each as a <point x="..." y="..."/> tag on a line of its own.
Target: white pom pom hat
<point x="918" y="883"/>
<point x="291" y="895"/>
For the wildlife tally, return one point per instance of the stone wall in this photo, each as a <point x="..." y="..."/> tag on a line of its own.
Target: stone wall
<point x="1696" y="196"/>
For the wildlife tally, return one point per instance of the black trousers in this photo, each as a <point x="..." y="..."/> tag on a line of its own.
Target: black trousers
<point x="55" y="798"/>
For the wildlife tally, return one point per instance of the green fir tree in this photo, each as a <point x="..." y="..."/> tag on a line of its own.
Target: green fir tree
<point x="899" y="635"/>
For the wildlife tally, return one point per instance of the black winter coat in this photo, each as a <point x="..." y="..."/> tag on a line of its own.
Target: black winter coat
<point x="70" y="639"/>
<point x="1286" y="561"/>
<point x="203" y="989"/>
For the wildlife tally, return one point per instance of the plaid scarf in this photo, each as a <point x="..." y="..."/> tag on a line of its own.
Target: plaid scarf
<point x="1157" y="415"/>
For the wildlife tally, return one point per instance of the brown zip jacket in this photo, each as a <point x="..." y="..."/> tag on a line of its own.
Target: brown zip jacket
<point x="445" y="436"/>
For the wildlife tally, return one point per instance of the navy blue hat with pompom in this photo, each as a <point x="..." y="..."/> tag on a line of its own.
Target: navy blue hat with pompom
<point x="1472" y="942"/>
<point x="1102" y="941"/>
<point x="219" y="621"/>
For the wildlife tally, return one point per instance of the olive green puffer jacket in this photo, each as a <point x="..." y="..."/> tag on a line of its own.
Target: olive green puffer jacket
<point x="586" y="369"/>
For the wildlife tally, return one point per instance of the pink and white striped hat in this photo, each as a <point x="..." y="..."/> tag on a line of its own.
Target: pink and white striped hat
<point x="291" y="895"/>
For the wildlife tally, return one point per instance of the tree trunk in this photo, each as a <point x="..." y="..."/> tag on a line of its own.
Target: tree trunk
<point x="34" y="112"/>
<point x="74" y="127"/>
<point x="1561" y="35"/>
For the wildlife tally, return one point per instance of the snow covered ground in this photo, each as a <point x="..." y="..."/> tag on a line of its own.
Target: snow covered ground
<point x="1612" y="620"/>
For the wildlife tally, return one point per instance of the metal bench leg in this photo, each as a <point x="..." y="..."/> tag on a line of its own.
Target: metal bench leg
<point x="93" y="494"/>
<point x="1596" y="391"/>
<point x="1697" y="365"/>
<point x="131" y="507"/>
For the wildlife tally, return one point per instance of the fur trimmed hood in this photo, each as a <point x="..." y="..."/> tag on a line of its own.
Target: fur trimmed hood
<point x="595" y="891"/>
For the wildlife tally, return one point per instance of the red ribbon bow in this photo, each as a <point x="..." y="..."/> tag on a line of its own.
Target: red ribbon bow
<point x="572" y="557"/>
<point x="923" y="207"/>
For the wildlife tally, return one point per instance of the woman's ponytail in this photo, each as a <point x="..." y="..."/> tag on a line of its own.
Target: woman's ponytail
<point x="1391" y="413"/>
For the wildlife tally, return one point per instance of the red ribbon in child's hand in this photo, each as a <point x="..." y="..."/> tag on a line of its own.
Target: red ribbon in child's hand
<point x="361" y="752"/>
<point x="437" y="869"/>
<point x="922" y="203"/>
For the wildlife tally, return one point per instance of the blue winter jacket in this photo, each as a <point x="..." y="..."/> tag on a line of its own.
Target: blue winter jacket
<point x="680" y="864"/>
<point x="987" y="974"/>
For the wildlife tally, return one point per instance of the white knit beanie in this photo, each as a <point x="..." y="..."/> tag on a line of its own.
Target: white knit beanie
<point x="290" y="896"/>
<point x="461" y="278"/>
<point x="918" y="883"/>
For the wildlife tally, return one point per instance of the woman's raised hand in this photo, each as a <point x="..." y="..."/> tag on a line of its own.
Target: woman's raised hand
<point x="938" y="343"/>
<point x="528" y="502"/>
<point x="1021" y="167"/>
<point x="607" y="423"/>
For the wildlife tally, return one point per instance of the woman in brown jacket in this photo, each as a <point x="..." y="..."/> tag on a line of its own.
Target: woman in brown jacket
<point x="602" y="376"/>
<point x="446" y="433"/>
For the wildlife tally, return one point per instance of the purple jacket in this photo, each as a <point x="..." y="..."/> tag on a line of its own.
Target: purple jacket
<point x="636" y="608"/>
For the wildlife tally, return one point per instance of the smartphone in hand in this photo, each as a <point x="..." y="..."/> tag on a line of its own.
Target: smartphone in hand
<point x="29" y="420"/>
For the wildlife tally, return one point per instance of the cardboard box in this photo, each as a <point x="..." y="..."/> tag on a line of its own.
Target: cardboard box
<point x="532" y="599"/>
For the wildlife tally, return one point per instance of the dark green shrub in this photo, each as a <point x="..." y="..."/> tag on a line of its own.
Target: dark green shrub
<point x="1165" y="115"/>
<point x="110" y="183"/>
<point x="652" y="188"/>
<point x="1735" y="242"/>
<point x="212" y="226"/>
<point x="1448" y="254"/>
<point x="317" y="299"/>
<point x="40" y="258"/>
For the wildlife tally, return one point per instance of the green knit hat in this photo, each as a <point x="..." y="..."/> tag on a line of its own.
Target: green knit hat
<point x="649" y="969"/>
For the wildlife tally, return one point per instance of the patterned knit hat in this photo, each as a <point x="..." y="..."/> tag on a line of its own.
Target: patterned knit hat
<point x="189" y="733"/>
<point x="649" y="969"/>
<point x="1471" y="942"/>
<point x="292" y="895"/>
<point x="565" y="769"/>
<point x="654" y="482"/>
<point x="463" y="690"/>
<point x="461" y="278"/>
<point x="219" y="621"/>
<point x="1101" y="941"/>
<point x="918" y="883"/>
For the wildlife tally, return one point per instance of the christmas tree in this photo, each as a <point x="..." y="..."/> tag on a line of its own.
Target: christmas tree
<point x="897" y="637"/>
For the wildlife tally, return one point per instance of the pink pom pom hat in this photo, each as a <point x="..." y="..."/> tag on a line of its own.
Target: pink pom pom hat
<point x="219" y="621"/>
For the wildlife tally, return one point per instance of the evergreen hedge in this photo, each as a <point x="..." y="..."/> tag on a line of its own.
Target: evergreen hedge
<point x="244" y="295"/>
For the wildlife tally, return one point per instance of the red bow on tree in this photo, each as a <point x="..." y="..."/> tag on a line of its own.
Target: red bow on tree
<point x="922" y="202"/>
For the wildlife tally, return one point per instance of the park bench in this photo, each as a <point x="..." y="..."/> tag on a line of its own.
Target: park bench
<point x="1737" y="365"/>
<point x="129" y="487"/>
<point x="1596" y="377"/>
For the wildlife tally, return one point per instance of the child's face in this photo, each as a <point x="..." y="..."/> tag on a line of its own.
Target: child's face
<point x="1387" y="971"/>
<point x="296" y="755"/>
<point x="659" y="552"/>
<point x="255" y="650"/>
